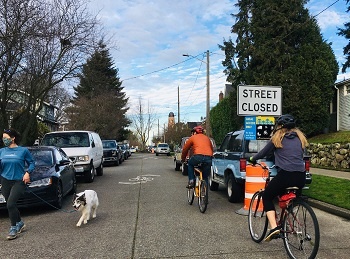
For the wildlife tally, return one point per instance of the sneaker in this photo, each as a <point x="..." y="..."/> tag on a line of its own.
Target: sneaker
<point x="273" y="234"/>
<point x="20" y="226"/>
<point x="12" y="233"/>
<point x="190" y="184"/>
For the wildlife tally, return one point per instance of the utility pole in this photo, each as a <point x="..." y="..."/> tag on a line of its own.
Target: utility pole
<point x="178" y="104"/>
<point x="207" y="122"/>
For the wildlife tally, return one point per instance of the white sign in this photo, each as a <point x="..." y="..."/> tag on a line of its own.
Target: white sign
<point x="259" y="100"/>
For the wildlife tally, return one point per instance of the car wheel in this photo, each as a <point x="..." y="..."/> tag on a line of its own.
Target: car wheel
<point x="117" y="162"/>
<point x="90" y="175"/>
<point x="168" y="154"/>
<point x="234" y="190"/>
<point x="74" y="186"/>
<point x="177" y="166"/>
<point x="184" y="169"/>
<point x="157" y="154"/>
<point x="59" y="196"/>
<point x="213" y="186"/>
<point x="99" y="170"/>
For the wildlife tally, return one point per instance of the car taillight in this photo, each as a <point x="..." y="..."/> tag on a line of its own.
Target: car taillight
<point x="307" y="164"/>
<point x="242" y="164"/>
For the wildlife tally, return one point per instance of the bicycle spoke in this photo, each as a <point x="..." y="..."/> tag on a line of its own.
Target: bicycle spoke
<point x="301" y="235"/>
<point x="203" y="196"/>
<point x="257" y="220"/>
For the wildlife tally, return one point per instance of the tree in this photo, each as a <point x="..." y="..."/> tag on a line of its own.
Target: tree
<point x="278" y="43"/>
<point x="346" y="33"/>
<point x="175" y="133"/>
<point x="99" y="102"/>
<point x="42" y="43"/>
<point x="143" y="122"/>
<point x="223" y="117"/>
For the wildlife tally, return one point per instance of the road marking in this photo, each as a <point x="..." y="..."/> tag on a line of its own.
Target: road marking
<point x="140" y="179"/>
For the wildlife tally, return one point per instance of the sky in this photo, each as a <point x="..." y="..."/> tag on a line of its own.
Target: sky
<point x="151" y="37"/>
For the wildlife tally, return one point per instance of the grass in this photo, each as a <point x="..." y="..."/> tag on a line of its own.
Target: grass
<point x="331" y="190"/>
<point x="329" y="138"/>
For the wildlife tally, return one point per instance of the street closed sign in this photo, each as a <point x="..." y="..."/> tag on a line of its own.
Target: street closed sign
<point x="259" y="100"/>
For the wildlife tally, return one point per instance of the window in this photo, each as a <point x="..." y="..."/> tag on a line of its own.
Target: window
<point x="346" y="89"/>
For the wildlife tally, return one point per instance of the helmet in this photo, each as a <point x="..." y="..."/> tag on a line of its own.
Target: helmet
<point x="197" y="129"/>
<point x="287" y="121"/>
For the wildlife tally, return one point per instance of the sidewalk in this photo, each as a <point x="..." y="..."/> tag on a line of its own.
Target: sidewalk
<point x="325" y="206"/>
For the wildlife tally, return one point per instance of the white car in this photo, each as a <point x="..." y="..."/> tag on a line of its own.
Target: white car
<point x="162" y="148"/>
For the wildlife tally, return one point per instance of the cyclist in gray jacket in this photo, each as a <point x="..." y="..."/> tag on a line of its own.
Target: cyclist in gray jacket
<point x="288" y="144"/>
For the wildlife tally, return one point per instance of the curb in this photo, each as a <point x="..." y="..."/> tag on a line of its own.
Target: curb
<point x="341" y="212"/>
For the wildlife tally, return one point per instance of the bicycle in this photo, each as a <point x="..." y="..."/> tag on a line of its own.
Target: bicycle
<point x="200" y="189"/>
<point x="298" y="222"/>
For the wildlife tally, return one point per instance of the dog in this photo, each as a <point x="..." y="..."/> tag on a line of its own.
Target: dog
<point x="87" y="203"/>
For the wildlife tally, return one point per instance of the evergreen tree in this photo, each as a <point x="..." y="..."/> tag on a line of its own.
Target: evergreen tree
<point x="346" y="33"/>
<point x="99" y="103"/>
<point x="279" y="44"/>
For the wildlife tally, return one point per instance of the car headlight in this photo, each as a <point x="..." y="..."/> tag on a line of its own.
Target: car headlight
<point x="83" y="158"/>
<point x="114" y="153"/>
<point x="41" y="182"/>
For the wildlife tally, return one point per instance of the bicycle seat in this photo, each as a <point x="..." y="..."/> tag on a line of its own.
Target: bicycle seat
<point x="292" y="188"/>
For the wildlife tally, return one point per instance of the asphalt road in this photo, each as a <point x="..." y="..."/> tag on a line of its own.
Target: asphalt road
<point x="143" y="213"/>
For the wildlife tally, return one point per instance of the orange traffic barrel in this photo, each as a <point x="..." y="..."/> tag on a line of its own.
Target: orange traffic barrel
<point x="254" y="181"/>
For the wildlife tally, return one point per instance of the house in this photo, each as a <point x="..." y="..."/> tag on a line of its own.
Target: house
<point x="46" y="115"/>
<point x="340" y="107"/>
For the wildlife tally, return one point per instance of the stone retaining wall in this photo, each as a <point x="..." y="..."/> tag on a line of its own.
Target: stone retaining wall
<point x="332" y="155"/>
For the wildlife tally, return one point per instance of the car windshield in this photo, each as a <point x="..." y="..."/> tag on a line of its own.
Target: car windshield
<point x="109" y="144"/>
<point x="163" y="145"/>
<point x="42" y="157"/>
<point x="69" y="139"/>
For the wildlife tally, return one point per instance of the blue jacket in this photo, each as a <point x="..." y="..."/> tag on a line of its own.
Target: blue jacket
<point x="14" y="161"/>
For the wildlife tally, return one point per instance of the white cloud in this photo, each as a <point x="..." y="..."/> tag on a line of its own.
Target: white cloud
<point x="152" y="36"/>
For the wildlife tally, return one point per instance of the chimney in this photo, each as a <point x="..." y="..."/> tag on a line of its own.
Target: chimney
<point x="221" y="96"/>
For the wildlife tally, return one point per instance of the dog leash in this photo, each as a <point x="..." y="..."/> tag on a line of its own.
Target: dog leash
<point x="62" y="210"/>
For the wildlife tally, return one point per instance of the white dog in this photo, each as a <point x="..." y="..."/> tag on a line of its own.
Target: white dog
<point x="87" y="203"/>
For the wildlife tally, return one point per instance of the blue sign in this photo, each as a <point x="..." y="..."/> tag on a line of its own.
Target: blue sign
<point x="250" y="127"/>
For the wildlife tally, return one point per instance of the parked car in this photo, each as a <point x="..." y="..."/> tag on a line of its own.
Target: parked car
<point x="162" y="148"/>
<point x="132" y="150"/>
<point x="84" y="148"/>
<point x="177" y="157"/>
<point x="125" y="151"/>
<point x="230" y="161"/>
<point x="52" y="179"/>
<point x="111" y="153"/>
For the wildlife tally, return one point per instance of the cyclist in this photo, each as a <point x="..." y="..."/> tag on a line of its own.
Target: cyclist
<point x="288" y="144"/>
<point x="201" y="152"/>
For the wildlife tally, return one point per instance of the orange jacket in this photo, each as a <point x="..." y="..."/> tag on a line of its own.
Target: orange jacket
<point x="200" y="144"/>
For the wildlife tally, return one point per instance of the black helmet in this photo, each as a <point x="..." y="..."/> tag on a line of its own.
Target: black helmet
<point x="287" y="121"/>
<point x="197" y="129"/>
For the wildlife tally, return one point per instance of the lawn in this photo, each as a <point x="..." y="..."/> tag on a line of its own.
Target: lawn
<point x="329" y="138"/>
<point x="331" y="190"/>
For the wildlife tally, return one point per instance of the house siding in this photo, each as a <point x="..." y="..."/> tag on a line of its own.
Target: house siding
<point x="344" y="108"/>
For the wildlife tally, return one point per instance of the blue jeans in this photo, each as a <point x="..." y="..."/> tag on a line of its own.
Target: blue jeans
<point x="195" y="160"/>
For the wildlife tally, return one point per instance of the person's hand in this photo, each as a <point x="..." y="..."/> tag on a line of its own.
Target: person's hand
<point x="26" y="178"/>
<point x="251" y="160"/>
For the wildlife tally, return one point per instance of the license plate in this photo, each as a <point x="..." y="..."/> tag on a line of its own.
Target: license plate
<point x="2" y="199"/>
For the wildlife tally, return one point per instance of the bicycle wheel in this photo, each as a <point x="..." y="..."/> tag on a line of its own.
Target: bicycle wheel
<point x="257" y="220"/>
<point x="190" y="195"/>
<point x="203" y="196"/>
<point x="301" y="233"/>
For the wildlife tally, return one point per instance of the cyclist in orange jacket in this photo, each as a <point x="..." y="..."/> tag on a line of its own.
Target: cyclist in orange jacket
<point x="202" y="152"/>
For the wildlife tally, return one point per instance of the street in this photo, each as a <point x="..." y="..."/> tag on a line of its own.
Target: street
<point x="143" y="213"/>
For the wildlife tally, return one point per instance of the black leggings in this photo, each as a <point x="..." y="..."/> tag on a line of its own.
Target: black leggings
<point x="278" y="185"/>
<point x="12" y="191"/>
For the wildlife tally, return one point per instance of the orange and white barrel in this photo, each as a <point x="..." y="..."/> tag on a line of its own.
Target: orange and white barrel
<point x="254" y="181"/>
